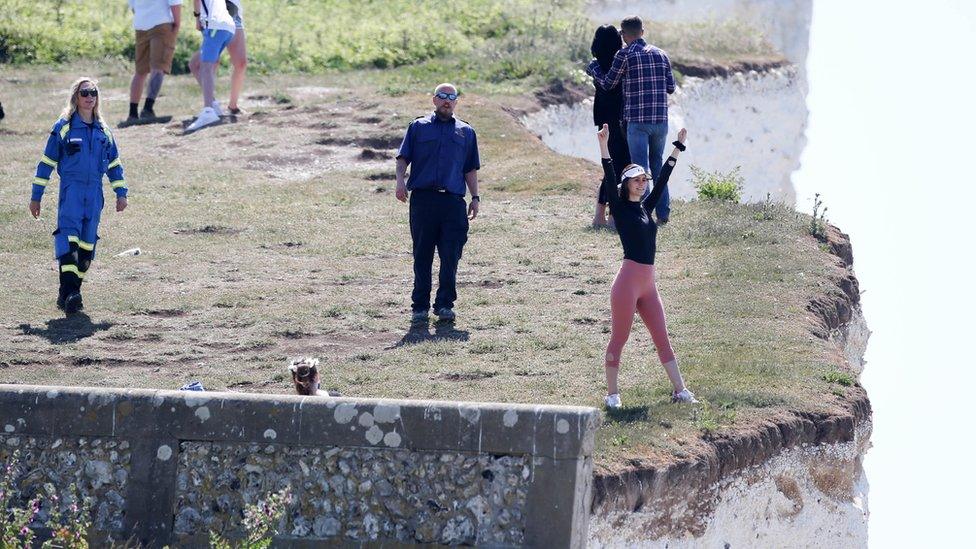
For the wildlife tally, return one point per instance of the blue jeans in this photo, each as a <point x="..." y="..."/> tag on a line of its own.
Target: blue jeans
<point x="647" y="142"/>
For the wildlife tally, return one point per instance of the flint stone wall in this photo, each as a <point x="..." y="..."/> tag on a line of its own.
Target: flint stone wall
<point x="167" y="467"/>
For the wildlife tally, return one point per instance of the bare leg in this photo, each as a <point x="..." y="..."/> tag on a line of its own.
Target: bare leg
<point x="195" y="66"/>
<point x="238" y="58"/>
<point x="135" y="88"/>
<point x="600" y="215"/>
<point x="155" y="84"/>
<point x="207" y="82"/>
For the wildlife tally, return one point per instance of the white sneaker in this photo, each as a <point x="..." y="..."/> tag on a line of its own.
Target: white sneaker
<point x="206" y="117"/>
<point x="684" y="396"/>
<point x="216" y="107"/>
<point x="612" y="401"/>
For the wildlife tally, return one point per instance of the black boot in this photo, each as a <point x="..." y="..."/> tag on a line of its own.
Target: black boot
<point x="72" y="304"/>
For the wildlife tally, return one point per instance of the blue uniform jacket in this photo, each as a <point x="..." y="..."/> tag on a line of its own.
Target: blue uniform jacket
<point x="97" y="154"/>
<point x="440" y="153"/>
<point x="82" y="154"/>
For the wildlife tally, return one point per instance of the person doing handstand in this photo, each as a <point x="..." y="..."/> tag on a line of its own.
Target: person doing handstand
<point x="634" y="289"/>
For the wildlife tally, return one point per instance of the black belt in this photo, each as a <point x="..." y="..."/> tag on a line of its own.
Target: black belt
<point x="438" y="190"/>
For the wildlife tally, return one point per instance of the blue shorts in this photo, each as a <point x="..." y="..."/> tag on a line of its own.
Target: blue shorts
<point x="214" y="42"/>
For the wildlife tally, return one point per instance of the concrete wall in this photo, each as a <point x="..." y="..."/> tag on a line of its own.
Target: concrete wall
<point x="168" y="467"/>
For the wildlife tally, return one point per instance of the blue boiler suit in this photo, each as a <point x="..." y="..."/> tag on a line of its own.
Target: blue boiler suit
<point x="82" y="154"/>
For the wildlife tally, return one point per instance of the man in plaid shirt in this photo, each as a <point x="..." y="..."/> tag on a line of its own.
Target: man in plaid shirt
<point x="647" y="80"/>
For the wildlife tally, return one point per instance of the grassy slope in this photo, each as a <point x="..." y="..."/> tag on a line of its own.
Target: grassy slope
<point x="270" y="245"/>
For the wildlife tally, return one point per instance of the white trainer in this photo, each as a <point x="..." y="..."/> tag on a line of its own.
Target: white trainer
<point x="612" y="401"/>
<point x="206" y="117"/>
<point x="216" y="107"/>
<point x="684" y="396"/>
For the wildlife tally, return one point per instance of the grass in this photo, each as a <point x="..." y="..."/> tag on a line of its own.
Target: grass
<point x="507" y="45"/>
<point x="717" y="185"/>
<point x="310" y="259"/>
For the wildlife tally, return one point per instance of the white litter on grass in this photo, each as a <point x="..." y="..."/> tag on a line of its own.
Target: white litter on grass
<point x="131" y="251"/>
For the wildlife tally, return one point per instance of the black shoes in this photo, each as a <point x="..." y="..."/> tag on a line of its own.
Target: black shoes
<point x="147" y="114"/>
<point x="73" y="304"/>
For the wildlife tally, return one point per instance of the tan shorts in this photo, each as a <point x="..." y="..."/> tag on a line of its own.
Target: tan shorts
<point x="155" y="48"/>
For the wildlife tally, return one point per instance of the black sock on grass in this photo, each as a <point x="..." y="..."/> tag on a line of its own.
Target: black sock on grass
<point x="133" y="110"/>
<point x="149" y="104"/>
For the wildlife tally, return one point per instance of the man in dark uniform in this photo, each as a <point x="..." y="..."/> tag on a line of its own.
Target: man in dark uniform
<point x="443" y="153"/>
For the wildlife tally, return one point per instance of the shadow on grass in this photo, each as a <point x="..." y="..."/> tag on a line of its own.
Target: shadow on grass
<point x="627" y="414"/>
<point x="67" y="329"/>
<point x="419" y="332"/>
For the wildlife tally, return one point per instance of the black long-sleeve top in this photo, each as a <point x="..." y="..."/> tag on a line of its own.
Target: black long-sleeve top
<point x="637" y="231"/>
<point x="608" y="106"/>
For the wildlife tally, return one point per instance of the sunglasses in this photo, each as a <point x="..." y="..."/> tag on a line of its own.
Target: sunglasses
<point x="448" y="96"/>
<point x="88" y="92"/>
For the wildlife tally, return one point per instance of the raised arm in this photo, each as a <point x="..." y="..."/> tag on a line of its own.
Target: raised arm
<point x="612" y="78"/>
<point x="662" y="181"/>
<point x="609" y="182"/>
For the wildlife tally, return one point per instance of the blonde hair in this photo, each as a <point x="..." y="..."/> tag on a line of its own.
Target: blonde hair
<point x="72" y="106"/>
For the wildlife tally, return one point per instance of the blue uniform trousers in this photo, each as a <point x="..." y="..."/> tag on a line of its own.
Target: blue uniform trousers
<point x="438" y="220"/>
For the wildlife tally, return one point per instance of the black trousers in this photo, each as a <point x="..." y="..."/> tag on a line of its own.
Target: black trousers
<point x="437" y="221"/>
<point x="619" y="152"/>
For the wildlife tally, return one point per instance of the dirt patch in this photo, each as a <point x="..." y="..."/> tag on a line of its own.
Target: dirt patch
<point x="163" y="313"/>
<point x="791" y="490"/>
<point x="836" y="480"/>
<point x="389" y="141"/>
<point x="373" y="154"/>
<point x="209" y="229"/>
<point x="464" y="376"/>
<point x="562" y="93"/>
<point x="380" y="176"/>
<point x="706" y="68"/>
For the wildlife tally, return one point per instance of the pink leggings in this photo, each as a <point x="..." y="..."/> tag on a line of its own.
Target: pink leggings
<point x="634" y="291"/>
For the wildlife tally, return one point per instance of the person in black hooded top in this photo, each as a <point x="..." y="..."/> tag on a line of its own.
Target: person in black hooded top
<point x="608" y="109"/>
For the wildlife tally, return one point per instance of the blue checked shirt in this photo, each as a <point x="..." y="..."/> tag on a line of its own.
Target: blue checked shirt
<point x="646" y="73"/>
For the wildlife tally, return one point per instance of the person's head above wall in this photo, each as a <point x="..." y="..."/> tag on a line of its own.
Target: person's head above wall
<point x="305" y="375"/>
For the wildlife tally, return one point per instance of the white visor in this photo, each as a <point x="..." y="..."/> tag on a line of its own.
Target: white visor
<point x="634" y="171"/>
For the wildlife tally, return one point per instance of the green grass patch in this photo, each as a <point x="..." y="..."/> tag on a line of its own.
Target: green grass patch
<point x="718" y="185"/>
<point x="840" y="378"/>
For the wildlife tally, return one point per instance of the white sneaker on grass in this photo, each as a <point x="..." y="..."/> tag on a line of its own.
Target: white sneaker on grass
<point x="216" y="107"/>
<point x="612" y="401"/>
<point x="684" y="396"/>
<point x="206" y="117"/>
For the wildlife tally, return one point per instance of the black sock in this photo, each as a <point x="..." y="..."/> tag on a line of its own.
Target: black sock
<point x="149" y="104"/>
<point x="134" y="110"/>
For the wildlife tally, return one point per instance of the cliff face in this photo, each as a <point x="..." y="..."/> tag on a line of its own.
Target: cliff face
<point x="745" y="115"/>
<point x="792" y="479"/>
<point x="785" y="23"/>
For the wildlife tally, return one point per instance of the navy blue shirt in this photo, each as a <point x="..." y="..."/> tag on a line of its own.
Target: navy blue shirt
<point x="440" y="153"/>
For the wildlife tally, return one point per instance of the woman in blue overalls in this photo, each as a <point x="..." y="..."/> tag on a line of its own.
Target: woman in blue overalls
<point x="82" y="150"/>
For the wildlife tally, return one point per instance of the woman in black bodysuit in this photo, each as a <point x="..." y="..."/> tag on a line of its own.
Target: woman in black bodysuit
<point x="635" y="290"/>
<point x="608" y="109"/>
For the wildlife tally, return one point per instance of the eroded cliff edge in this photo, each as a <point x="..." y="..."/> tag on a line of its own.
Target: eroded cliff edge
<point x="794" y="476"/>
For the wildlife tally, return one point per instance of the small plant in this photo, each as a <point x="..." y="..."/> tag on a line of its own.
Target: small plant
<point x="708" y="419"/>
<point x="260" y="523"/>
<point x="15" y="523"/>
<point x="766" y="209"/>
<point x="840" y="378"/>
<point x="68" y="530"/>
<point x="717" y="185"/>
<point x="818" y="225"/>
